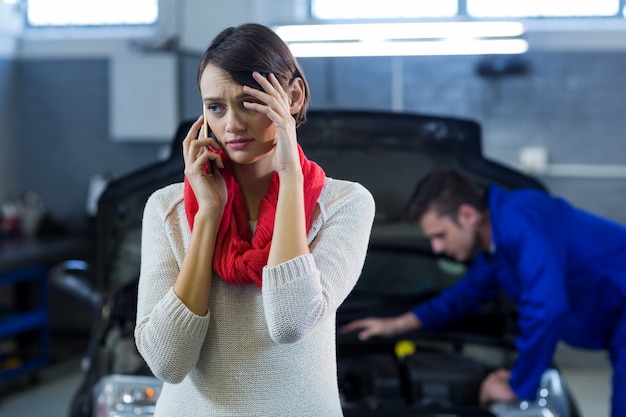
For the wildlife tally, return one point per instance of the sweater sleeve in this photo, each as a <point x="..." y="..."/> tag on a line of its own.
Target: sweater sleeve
<point x="304" y="291"/>
<point x="168" y="335"/>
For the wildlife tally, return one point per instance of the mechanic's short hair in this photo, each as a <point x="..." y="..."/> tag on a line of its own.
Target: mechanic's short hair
<point x="252" y="47"/>
<point x="443" y="190"/>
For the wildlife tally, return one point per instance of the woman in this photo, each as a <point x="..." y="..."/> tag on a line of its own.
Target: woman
<point x="245" y="263"/>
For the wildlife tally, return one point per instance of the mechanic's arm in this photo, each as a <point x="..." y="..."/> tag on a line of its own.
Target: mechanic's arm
<point x="476" y="287"/>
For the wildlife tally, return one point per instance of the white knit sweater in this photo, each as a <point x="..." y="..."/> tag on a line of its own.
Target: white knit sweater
<point x="258" y="352"/>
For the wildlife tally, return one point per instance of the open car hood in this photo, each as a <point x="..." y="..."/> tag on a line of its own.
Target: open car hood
<point x="384" y="151"/>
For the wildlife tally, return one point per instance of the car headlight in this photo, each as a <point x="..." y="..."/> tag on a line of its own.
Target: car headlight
<point x="552" y="400"/>
<point x="126" y="395"/>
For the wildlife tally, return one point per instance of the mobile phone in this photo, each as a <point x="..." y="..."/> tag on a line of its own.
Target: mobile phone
<point x="212" y="135"/>
<point x="207" y="128"/>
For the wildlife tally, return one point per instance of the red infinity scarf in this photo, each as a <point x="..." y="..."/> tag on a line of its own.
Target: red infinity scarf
<point x="239" y="256"/>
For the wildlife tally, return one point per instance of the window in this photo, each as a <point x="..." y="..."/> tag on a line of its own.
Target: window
<point x="542" y="8"/>
<point x="91" y="12"/>
<point x="415" y="9"/>
<point x="376" y="9"/>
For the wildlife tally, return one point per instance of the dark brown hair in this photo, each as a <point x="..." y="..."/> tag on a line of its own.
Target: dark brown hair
<point x="443" y="190"/>
<point x="253" y="47"/>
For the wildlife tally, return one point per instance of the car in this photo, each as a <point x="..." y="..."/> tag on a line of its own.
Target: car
<point x="417" y="374"/>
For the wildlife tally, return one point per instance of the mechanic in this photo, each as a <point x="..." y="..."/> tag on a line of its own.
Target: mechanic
<point x="563" y="267"/>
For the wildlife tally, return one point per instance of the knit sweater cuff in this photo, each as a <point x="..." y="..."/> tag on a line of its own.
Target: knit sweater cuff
<point x="284" y="273"/>
<point x="183" y="318"/>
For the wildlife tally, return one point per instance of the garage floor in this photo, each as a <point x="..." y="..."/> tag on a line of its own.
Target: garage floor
<point x="586" y="373"/>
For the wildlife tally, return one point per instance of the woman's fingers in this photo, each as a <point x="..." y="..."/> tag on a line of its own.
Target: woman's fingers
<point x="272" y="97"/>
<point x="272" y="85"/>
<point x="214" y="143"/>
<point x="192" y="134"/>
<point x="213" y="162"/>
<point x="195" y="165"/>
<point x="191" y="144"/>
<point x="196" y="153"/>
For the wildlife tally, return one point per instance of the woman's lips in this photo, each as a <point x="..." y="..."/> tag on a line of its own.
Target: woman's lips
<point x="238" y="143"/>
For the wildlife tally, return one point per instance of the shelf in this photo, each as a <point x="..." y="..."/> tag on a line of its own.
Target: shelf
<point x="25" y="320"/>
<point x="25" y="367"/>
<point x="22" y="322"/>
<point x="11" y="278"/>
<point x="24" y="316"/>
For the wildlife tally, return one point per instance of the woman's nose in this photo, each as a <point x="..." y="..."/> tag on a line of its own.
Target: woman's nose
<point x="234" y="122"/>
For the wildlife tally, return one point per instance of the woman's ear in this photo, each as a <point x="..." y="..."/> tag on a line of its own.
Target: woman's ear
<point x="296" y="95"/>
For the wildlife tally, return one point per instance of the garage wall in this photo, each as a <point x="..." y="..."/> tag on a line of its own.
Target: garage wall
<point x="571" y="103"/>
<point x="8" y="182"/>
<point x="10" y="26"/>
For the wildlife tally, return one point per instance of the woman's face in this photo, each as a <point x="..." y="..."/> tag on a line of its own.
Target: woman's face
<point x="245" y="135"/>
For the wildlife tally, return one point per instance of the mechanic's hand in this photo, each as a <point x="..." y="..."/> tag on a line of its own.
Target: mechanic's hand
<point x="385" y="327"/>
<point x="496" y="388"/>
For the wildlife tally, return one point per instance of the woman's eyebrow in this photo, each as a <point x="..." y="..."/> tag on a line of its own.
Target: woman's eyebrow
<point x="242" y="96"/>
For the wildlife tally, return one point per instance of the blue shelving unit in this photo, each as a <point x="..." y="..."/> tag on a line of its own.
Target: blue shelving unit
<point x="19" y="320"/>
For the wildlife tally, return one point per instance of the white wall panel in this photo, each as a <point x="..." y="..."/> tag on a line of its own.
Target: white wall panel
<point x="143" y="97"/>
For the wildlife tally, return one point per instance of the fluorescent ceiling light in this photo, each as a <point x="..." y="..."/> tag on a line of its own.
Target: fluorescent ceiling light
<point x="409" y="48"/>
<point x="404" y="39"/>
<point x="385" y="31"/>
